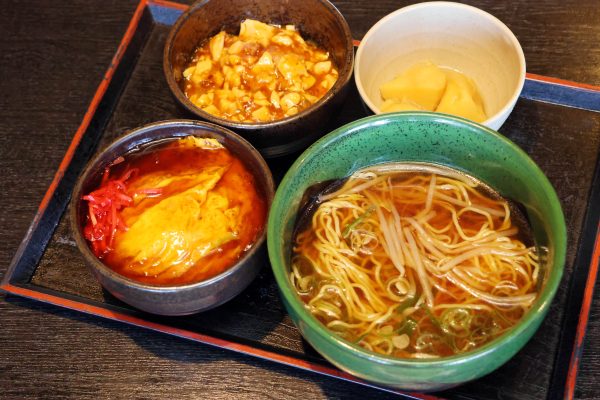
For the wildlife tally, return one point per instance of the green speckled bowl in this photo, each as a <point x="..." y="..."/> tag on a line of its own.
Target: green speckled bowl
<point x="424" y="137"/>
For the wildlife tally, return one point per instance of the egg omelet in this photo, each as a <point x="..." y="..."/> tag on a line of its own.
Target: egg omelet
<point x="172" y="232"/>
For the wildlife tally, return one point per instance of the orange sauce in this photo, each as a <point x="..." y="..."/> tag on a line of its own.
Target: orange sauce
<point x="169" y="160"/>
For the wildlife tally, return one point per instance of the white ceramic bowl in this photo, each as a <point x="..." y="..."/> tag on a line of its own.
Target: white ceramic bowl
<point x="448" y="34"/>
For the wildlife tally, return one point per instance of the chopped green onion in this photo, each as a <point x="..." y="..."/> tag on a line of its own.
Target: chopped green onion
<point x="432" y="318"/>
<point x="361" y="337"/>
<point x="357" y="221"/>
<point x="408" y="327"/>
<point x="446" y="338"/>
<point x="411" y="301"/>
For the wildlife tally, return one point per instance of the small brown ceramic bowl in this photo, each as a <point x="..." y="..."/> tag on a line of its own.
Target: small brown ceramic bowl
<point x="179" y="299"/>
<point x="316" y="20"/>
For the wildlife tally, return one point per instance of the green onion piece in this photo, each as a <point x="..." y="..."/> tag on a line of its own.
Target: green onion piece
<point x="499" y="315"/>
<point x="408" y="327"/>
<point x="451" y="341"/>
<point x="433" y="319"/>
<point x="361" y="337"/>
<point x="446" y="338"/>
<point x="540" y="279"/>
<point x="357" y="221"/>
<point x="411" y="301"/>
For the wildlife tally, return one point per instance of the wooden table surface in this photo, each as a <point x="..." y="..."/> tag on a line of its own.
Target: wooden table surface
<point x="52" y="57"/>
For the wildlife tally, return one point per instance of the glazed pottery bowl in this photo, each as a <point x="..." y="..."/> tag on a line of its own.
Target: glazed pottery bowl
<point x="430" y="138"/>
<point x="317" y="20"/>
<point x="451" y="35"/>
<point x="177" y="299"/>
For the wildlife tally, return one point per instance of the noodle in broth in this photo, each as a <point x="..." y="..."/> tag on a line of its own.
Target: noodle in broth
<point x="415" y="262"/>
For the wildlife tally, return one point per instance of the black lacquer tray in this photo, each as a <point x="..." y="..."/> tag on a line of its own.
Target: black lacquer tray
<point x="556" y="122"/>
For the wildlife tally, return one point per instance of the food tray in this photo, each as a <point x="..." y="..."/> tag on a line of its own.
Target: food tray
<point x="556" y="122"/>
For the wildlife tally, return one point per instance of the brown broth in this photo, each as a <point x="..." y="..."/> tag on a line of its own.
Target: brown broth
<point x="427" y="322"/>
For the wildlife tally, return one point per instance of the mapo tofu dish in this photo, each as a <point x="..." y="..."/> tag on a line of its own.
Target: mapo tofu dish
<point x="266" y="73"/>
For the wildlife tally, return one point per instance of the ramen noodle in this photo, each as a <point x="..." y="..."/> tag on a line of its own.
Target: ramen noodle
<point x="415" y="262"/>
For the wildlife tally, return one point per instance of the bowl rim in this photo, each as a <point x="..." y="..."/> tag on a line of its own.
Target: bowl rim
<point x="279" y="261"/>
<point x="345" y="72"/>
<point x="491" y="120"/>
<point x="92" y="166"/>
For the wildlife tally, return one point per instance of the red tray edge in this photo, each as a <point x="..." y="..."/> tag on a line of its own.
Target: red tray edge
<point x="238" y="347"/>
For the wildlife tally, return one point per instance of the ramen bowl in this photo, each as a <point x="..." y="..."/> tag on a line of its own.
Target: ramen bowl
<point x="452" y="35"/>
<point x="425" y="138"/>
<point x="316" y="20"/>
<point x="172" y="299"/>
